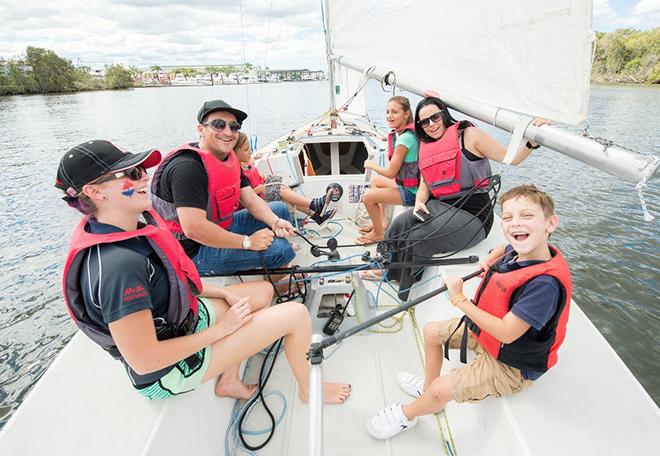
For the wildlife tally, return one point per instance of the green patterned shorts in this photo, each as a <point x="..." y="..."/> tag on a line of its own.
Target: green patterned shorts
<point x="186" y="375"/>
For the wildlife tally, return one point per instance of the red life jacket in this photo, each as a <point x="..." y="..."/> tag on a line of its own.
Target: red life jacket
<point x="443" y="168"/>
<point x="408" y="175"/>
<point x="252" y="174"/>
<point x="224" y="188"/>
<point x="539" y="352"/>
<point x="182" y="275"/>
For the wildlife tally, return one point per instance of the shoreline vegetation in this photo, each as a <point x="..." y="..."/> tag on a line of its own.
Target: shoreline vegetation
<point x="624" y="56"/>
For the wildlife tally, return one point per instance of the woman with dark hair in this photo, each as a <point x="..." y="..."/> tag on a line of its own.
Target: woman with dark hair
<point x="397" y="182"/>
<point x="453" y="197"/>
<point x="130" y="287"/>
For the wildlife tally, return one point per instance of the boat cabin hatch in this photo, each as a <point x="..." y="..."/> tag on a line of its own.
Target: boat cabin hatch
<point x="336" y="156"/>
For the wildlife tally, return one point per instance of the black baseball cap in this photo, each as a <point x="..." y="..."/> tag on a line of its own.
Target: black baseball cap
<point x="92" y="159"/>
<point x="219" y="105"/>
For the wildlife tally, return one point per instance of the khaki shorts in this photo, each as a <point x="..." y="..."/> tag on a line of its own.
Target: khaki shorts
<point x="483" y="376"/>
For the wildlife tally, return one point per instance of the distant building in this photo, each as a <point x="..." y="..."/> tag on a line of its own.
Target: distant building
<point x="192" y="75"/>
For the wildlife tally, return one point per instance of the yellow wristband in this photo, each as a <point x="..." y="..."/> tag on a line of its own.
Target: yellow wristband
<point x="458" y="298"/>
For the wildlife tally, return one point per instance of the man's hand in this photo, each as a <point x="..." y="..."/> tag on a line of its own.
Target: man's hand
<point x="261" y="239"/>
<point x="282" y="228"/>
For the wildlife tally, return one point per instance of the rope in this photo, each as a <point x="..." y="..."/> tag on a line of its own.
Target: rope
<point x="361" y="85"/>
<point x="441" y="417"/>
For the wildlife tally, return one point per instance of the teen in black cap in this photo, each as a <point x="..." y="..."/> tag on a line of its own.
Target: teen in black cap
<point x="129" y="286"/>
<point x="96" y="161"/>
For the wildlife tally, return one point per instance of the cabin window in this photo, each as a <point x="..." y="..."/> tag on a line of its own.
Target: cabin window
<point x="336" y="157"/>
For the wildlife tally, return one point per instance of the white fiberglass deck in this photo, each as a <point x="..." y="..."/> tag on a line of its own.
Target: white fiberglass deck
<point x="589" y="404"/>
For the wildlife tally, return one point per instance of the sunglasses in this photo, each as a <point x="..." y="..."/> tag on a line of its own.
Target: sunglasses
<point x="134" y="174"/>
<point x="220" y="124"/>
<point x="435" y="118"/>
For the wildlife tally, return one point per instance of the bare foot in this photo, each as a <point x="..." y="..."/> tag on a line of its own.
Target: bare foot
<point x="371" y="275"/>
<point x="282" y="284"/>
<point x="234" y="389"/>
<point x="333" y="393"/>
<point x="366" y="228"/>
<point x="370" y="238"/>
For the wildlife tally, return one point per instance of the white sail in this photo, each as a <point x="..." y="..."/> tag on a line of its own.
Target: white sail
<point x="528" y="56"/>
<point x="348" y="95"/>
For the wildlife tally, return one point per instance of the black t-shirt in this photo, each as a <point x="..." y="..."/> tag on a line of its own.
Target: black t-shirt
<point x="121" y="278"/>
<point x="185" y="183"/>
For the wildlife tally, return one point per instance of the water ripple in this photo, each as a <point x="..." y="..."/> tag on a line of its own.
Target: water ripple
<point x="613" y="253"/>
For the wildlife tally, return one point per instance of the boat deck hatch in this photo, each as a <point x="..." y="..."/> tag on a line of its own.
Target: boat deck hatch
<point x="337" y="157"/>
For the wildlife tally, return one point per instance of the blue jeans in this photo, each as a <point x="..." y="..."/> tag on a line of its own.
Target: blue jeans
<point x="214" y="261"/>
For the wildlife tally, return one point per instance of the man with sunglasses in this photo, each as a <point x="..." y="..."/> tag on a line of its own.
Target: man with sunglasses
<point x="197" y="189"/>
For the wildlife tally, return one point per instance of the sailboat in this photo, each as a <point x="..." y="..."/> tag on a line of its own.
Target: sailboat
<point x="502" y="62"/>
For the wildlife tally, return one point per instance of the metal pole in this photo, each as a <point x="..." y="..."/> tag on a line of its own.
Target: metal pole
<point x="623" y="163"/>
<point x="331" y="340"/>
<point x="316" y="399"/>
<point x="328" y="45"/>
<point x="353" y="267"/>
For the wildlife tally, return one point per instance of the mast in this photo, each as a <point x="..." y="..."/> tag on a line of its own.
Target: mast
<point x="623" y="163"/>
<point x="331" y="71"/>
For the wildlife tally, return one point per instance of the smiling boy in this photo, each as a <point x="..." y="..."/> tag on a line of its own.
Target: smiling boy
<point x="515" y="323"/>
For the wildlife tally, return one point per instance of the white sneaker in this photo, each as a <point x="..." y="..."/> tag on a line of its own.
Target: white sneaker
<point x="389" y="422"/>
<point x="411" y="384"/>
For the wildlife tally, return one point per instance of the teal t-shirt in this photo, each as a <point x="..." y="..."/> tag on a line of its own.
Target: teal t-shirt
<point x="410" y="142"/>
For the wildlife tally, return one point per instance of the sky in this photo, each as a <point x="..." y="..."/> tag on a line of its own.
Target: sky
<point x="280" y="34"/>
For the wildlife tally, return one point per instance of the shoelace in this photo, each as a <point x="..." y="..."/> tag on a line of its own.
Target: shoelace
<point x="387" y="415"/>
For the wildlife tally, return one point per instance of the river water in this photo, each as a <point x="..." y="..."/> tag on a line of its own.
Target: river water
<point x="612" y="251"/>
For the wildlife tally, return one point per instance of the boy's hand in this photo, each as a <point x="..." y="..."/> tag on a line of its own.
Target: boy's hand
<point x="454" y="285"/>
<point x="484" y="264"/>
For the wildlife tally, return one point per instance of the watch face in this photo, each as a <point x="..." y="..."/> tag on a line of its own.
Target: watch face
<point x="246" y="242"/>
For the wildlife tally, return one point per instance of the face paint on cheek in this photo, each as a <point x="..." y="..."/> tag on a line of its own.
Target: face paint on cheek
<point x="128" y="189"/>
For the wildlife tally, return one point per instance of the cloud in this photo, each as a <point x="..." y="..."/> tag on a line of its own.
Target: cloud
<point x="148" y="32"/>
<point x="647" y="7"/>
<point x="274" y="33"/>
<point x="609" y="16"/>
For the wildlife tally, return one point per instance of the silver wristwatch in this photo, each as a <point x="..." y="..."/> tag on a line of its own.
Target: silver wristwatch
<point x="247" y="243"/>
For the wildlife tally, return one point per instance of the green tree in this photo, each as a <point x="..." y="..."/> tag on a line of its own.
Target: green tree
<point x="627" y="55"/>
<point x="50" y="72"/>
<point x="186" y="72"/>
<point x="156" y="68"/>
<point x="19" y="79"/>
<point x="83" y="80"/>
<point x="118" y="77"/>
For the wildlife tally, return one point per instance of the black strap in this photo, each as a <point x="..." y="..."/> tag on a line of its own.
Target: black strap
<point x="463" y="339"/>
